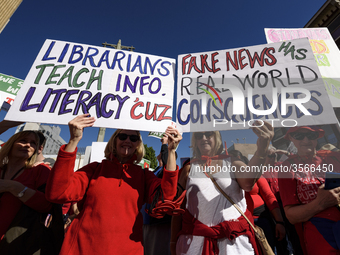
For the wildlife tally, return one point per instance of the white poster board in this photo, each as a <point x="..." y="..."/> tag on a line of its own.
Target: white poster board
<point x="97" y="151"/>
<point x="121" y="89"/>
<point x="326" y="52"/>
<point x="9" y="88"/>
<point x="230" y="89"/>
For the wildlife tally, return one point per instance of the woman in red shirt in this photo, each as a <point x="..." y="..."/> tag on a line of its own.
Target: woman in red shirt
<point x="112" y="191"/>
<point x="19" y="183"/>
<point x="306" y="203"/>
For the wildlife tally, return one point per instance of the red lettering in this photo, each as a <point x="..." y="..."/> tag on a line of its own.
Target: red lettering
<point x="9" y="100"/>
<point x="192" y="64"/>
<point x="161" y="116"/>
<point x="256" y="58"/>
<point x="240" y="59"/>
<point x="153" y="114"/>
<point x="272" y="57"/>
<point x="132" y="112"/>
<point x="184" y="63"/>
<point x="214" y="62"/>
<point x="234" y="63"/>
<point x="204" y="63"/>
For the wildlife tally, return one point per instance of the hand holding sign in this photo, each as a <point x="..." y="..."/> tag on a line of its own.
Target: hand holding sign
<point x="164" y="139"/>
<point x="174" y="137"/>
<point x="76" y="127"/>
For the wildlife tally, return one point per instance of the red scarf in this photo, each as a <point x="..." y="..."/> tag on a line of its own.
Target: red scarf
<point x="230" y="229"/>
<point x="208" y="159"/>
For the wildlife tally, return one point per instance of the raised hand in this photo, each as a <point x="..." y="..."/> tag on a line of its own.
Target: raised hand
<point x="164" y="139"/>
<point x="265" y="134"/>
<point x="173" y="136"/>
<point x="76" y="127"/>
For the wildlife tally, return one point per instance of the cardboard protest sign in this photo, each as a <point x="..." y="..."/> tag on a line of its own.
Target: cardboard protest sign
<point x="97" y="151"/>
<point x="9" y="87"/>
<point x="230" y="89"/>
<point x="121" y="89"/>
<point x="158" y="135"/>
<point x="144" y="163"/>
<point x="326" y="53"/>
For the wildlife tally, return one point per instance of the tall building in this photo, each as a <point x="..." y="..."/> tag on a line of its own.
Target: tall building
<point x="7" y="8"/>
<point x="328" y="16"/>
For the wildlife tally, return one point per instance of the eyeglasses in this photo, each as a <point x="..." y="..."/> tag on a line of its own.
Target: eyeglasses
<point x="123" y="137"/>
<point x="199" y="135"/>
<point x="309" y="135"/>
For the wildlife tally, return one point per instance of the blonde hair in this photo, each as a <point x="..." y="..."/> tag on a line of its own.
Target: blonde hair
<point x="6" y="149"/>
<point x="111" y="147"/>
<point x="216" y="150"/>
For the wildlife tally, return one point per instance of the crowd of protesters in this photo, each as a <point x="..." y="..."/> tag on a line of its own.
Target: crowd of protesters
<point x="99" y="209"/>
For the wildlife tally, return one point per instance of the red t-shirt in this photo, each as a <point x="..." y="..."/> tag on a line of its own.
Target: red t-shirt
<point x="300" y="185"/>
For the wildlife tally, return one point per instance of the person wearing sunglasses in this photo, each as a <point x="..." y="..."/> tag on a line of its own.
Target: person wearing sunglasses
<point x="211" y="224"/>
<point x="111" y="193"/>
<point x="307" y="204"/>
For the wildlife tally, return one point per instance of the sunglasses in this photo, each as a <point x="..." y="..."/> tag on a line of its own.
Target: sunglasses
<point x="309" y="135"/>
<point x="199" y="136"/>
<point x="123" y="137"/>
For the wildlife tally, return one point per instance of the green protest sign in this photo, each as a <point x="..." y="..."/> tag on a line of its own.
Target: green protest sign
<point x="9" y="87"/>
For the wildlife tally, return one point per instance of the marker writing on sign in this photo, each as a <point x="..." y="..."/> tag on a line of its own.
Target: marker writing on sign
<point x="85" y="101"/>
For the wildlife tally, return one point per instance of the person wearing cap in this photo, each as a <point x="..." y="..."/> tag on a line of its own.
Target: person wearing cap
<point x="307" y="205"/>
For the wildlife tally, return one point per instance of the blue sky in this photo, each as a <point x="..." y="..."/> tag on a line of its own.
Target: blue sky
<point x="164" y="28"/>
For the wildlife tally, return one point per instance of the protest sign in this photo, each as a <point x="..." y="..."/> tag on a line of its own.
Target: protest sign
<point x="121" y="89"/>
<point x="144" y="163"/>
<point x="326" y="53"/>
<point x="230" y="89"/>
<point x="97" y="151"/>
<point x="158" y="135"/>
<point x="9" y="87"/>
